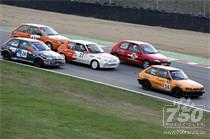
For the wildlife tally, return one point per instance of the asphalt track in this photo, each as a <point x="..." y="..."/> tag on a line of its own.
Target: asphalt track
<point x="126" y="76"/>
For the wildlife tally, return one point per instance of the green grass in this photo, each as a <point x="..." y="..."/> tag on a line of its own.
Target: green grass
<point x="194" y="7"/>
<point x="37" y="104"/>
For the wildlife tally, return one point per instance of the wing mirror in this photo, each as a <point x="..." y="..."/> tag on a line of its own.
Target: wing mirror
<point x="30" y="49"/>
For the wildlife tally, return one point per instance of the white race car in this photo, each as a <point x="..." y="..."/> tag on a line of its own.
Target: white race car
<point x="88" y="53"/>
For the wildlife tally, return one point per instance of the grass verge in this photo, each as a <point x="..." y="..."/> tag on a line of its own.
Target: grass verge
<point x="38" y="104"/>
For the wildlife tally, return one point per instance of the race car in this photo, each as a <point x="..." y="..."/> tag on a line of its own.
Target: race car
<point x="170" y="79"/>
<point x="32" y="51"/>
<point x="41" y="32"/>
<point x="88" y="53"/>
<point x="139" y="53"/>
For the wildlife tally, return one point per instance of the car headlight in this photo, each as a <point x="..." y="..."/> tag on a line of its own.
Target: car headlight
<point x="49" y="58"/>
<point x="106" y="60"/>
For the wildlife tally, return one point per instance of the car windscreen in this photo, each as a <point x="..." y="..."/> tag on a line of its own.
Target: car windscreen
<point x="48" y="31"/>
<point x="148" y="49"/>
<point x="39" y="46"/>
<point x="93" y="48"/>
<point x="178" y="75"/>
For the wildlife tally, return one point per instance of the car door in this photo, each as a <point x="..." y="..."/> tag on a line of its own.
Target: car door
<point x="132" y="53"/>
<point x="81" y="53"/>
<point x="153" y="77"/>
<point x="22" y="31"/>
<point x="122" y="51"/>
<point x="163" y="80"/>
<point x="24" y="51"/>
<point x="35" y="33"/>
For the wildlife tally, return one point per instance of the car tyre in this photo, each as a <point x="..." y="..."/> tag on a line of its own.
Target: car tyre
<point x="38" y="63"/>
<point x="94" y="64"/>
<point x="6" y="55"/>
<point x="177" y="92"/>
<point x="146" y="85"/>
<point x="146" y="64"/>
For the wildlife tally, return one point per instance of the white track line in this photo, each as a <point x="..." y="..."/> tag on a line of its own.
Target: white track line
<point x="74" y="76"/>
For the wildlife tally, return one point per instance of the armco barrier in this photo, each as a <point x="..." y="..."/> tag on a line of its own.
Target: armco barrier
<point x="117" y="13"/>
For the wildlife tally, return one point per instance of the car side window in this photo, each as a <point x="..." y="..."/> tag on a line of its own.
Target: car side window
<point x="124" y="45"/>
<point x="35" y="31"/>
<point x="163" y="73"/>
<point x="23" y="28"/>
<point x="80" y="47"/>
<point x="24" y="45"/>
<point x="133" y="48"/>
<point x="152" y="71"/>
<point x="13" y="43"/>
<point x="71" y="45"/>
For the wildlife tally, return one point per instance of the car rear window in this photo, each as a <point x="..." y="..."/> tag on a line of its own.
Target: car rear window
<point x="152" y="71"/>
<point x="13" y="43"/>
<point x="23" y="28"/>
<point x="124" y="45"/>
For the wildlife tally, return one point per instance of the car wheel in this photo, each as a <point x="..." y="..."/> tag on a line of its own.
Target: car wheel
<point x="177" y="92"/>
<point x="146" y="85"/>
<point x="6" y="55"/>
<point x="146" y="64"/>
<point x="49" y="45"/>
<point x="38" y="63"/>
<point x="94" y="64"/>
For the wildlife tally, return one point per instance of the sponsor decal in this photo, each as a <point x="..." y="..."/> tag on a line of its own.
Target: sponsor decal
<point x="35" y="37"/>
<point x="183" y="118"/>
<point x="22" y="53"/>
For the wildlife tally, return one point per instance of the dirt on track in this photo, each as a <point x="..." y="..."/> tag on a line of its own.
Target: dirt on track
<point x="182" y="41"/>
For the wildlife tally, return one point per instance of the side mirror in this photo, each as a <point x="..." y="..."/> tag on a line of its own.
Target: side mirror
<point x="30" y="49"/>
<point x="40" y="34"/>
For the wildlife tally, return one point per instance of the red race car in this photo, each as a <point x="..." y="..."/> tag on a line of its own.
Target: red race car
<point x="140" y="53"/>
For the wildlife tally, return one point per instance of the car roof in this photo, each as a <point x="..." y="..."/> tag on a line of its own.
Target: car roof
<point x="36" y="25"/>
<point x="136" y="42"/>
<point x="83" y="42"/>
<point x="169" y="68"/>
<point x="26" y="39"/>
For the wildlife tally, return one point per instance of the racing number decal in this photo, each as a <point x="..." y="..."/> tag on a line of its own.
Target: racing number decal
<point x="167" y="86"/>
<point x="22" y="53"/>
<point x="133" y="56"/>
<point x="81" y="55"/>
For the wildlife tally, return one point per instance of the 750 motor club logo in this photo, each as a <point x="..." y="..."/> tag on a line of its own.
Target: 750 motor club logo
<point x="182" y="114"/>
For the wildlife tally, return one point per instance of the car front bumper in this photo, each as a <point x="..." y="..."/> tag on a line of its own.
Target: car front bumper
<point x="54" y="62"/>
<point x="192" y="93"/>
<point x="109" y="65"/>
<point x="139" y="81"/>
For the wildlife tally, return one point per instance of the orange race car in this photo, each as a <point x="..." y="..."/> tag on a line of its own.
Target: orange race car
<point x="171" y="80"/>
<point x="41" y="32"/>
